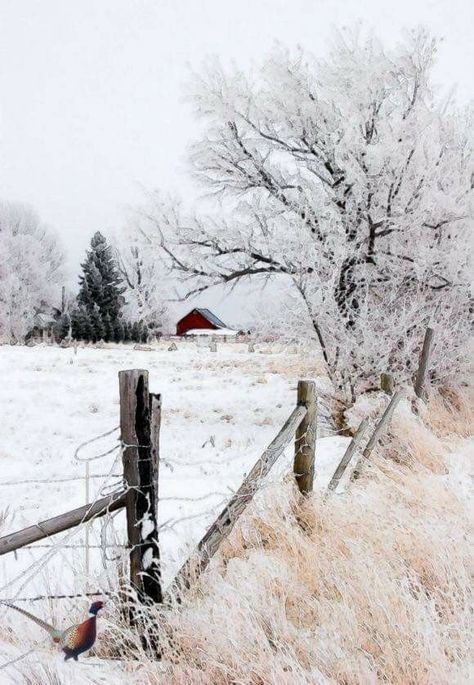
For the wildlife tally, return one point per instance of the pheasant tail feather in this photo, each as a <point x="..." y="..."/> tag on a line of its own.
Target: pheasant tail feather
<point x="54" y="632"/>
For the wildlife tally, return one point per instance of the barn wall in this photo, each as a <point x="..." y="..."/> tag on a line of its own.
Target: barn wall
<point x="193" y="320"/>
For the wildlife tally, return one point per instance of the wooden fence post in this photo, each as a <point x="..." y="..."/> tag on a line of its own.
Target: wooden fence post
<point x="348" y="454"/>
<point x="305" y="443"/>
<point x="139" y="425"/>
<point x="423" y="363"/>
<point x="152" y="581"/>
<point x="374" y="438"/>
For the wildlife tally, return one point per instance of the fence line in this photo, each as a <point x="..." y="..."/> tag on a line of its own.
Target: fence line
<point x="223" y="525"/>
<point x="137" y="490"/>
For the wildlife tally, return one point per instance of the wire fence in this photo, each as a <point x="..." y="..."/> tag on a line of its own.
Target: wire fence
<point x="105" y="487"/>
<point x="108" y="482"/>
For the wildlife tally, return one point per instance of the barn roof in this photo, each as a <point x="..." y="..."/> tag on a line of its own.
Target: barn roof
<point x="212" y="318"/>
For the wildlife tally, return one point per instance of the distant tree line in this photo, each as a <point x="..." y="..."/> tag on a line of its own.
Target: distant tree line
<point x="98" y="311"/>
<point x="31" y="271"/>
<point x="122" y="286"/>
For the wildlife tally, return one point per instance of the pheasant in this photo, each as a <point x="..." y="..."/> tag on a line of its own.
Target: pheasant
<point x="74" y="640"/>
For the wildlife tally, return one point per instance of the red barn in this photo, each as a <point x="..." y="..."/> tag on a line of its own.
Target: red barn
<point x="201" y="319"/>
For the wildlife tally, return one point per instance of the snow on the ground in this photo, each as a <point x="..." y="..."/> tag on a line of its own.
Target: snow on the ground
<point x="220" y="410"/>
<point x="210" y="332"/>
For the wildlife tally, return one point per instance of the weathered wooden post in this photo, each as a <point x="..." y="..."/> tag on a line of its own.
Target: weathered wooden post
<point x="423" y="363"/>
<point x="374" y="438"/>
<point x="348" y="454"/>
<point x="140" y="425"/>
<point x="305" y="443"/>
<point x="152" y="581"/>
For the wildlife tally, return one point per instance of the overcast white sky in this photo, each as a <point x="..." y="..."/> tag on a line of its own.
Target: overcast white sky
<point x="91" y="106"/>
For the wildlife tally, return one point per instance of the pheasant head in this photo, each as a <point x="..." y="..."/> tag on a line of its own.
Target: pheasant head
<point x="95" y="608"/>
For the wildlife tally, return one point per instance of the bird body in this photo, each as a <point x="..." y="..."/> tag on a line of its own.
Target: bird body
<point x="80" y="638"/>
<point x="76" y="639"/>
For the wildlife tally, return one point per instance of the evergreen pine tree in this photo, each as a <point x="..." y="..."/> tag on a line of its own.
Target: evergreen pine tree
<point x="135" y="335"/>
<point x="145" y="334"/>
<point x="127" y="331"/>
<point x="98" y="328"/>
<point x="62" y="327"/>
<point x="75" y="324"/>
<point x="100" y="282"/>
<point x="84" y="325"/>
<point x="108" y="328"/>
<point x="118" y="331"/>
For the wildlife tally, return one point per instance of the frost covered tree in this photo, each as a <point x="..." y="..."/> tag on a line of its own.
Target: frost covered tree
<point x="100" y="282"/>
<point x="350" y="180"/>
<point x="145" y="278"/>
<point x="30" y="270"/>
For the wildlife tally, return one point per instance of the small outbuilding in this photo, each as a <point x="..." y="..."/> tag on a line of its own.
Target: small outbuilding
<point x="202" y="322"/>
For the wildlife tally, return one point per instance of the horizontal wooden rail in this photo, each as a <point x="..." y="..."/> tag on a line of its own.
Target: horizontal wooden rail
<point x="57" y="524"/>
<point x="224" y="523"/>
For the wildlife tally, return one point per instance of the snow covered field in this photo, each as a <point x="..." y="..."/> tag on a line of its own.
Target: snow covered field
<point x="219" y="412"/>
<point x="369" y="567"/>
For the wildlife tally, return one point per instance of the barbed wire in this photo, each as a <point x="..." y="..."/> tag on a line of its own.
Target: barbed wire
<point x="118" y="487"/>
<point x="37" y="565"/>
<point x="92" y="440"/>
<point x="76" y="546"/>
<point x="49" y="481"/>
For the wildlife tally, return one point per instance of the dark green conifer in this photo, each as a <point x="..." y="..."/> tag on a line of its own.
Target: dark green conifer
<point x="98" y="328"/>
<point x="145" y="334"/>
<point x="135" y="334"/>
<point x="108" y="328"/>
<point x="62" y="327"/>
<point x="118" y="329"/>
<point x="100" y="282"/>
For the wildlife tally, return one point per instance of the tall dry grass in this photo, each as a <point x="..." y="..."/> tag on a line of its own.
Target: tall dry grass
<point x="365" y="587"/>
<point x="450" y="411"/>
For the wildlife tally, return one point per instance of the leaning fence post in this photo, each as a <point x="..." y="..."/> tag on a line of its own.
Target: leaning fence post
<point x="348" y="454"/>
<point x="374" y="438"/>
<point x="139" y="425"/>
<point x="423" y="363"/>
<point x="305" y="443"/>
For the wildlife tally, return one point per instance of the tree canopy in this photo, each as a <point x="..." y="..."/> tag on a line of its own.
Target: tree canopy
<point x="100" y="282"/>
<point x="348" y="179"/>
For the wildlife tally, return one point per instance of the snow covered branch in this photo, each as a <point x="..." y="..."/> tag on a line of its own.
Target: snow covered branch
<point x="30" y="271"/>
<point x="348" y="180"/>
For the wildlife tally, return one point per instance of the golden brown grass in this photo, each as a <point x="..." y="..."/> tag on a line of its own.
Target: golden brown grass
<point x="366" y="587"/>
<point x="450" y="411"/>
<point x="371" y="586"/>
<point x="413" y="444"/>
